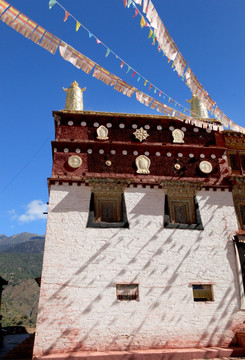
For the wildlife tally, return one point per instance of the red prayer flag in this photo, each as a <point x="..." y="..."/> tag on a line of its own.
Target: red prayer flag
<point x="133" y="73"/>
<point x="66" y="15"/>
<point x="136" y="12"/>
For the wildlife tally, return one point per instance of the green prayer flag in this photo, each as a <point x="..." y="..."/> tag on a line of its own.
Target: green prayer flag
<point x="52" y="3"/>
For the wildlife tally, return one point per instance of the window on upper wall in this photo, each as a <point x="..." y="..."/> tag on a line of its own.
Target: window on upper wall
<point x="241" y="215"/>
<point x="238" y="192"/>
<point x="107" y="204"/>
<point x="107" y="208"/>
<point x="237" y="162"/>
<point x="182" y="213"/>
<point x="202" y="292"/>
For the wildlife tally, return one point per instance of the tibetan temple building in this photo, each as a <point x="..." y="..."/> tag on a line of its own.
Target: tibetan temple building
<point x="145" y="239"/>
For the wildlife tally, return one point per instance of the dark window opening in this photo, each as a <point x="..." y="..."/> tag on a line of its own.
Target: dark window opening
<point x="107" y="211"/>
<point x="242" y="159"/>
<point x="127" y="291"/>
<point x="182" y="214"/>
<point x="234" y="162"/>
<point x="202" y="292"/>
<point x="242" y="211"/>
<point x="241" y="253"/>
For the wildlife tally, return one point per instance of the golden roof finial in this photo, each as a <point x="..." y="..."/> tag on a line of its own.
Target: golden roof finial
<point x="74" y="97"/>
<point x="198" y="110"/>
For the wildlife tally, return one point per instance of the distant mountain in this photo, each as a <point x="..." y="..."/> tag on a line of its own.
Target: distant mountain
<point x="28" y="247"/>
<point x="20" y="263"/>
<point x="8" y="242"/>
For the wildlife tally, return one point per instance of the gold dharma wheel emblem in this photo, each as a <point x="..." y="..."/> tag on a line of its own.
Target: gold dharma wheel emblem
<point x="74" y="161"/>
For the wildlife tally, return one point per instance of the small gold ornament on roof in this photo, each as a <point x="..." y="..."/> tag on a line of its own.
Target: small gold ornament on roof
<point x="141" y="134"/>
<point x="198" y="109"/>
<point x="74" y="97"/>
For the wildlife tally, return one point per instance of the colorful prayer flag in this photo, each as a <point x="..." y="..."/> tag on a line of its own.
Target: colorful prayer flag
<point x="37" y="34"/>
<point x="52" y="3"/>
<point x="142" y="22"/>
<point x="145" y="82"/>
<point x="98" y="41"/>
<point x="9" y="15"/>
<point x="66" y="15"/>
<point x="78" y="24"/>
<point x="105" y="76"/>
<point x="133" y="73"/>
<point x="19" y="23"/>
<point x="46" y="40"/>
<point x="136" y="12"/>
<point x="150" y="34"/>
<point x="122" y="63"/>
<point x="107" y="52"/>
<point x="3" y="6"/>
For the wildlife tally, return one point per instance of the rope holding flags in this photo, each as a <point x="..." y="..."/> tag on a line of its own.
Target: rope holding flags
<point x="31" y="30"/>
<point x="159" y="33"/>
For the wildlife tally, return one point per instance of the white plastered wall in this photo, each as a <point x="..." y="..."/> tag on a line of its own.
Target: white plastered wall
<point x="78" y="309"/>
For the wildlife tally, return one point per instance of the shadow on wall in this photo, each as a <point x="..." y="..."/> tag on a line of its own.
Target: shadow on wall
<point x="70" y="336"/>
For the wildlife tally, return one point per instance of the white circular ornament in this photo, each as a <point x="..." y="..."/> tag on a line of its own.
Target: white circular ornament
<point x="74" y="161"/>
<point x="70" y="123"/>
<point x="205" y="167"/>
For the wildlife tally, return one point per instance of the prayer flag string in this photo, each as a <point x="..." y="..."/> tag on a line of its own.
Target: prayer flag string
<point x="159" y="33"/>
<point x="51" y="43"/>
<point x="108" y="50"/>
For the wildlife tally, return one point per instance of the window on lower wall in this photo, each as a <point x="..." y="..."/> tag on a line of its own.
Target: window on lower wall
<point x="107" y="211"/>
<point x="239" y="202"/>
<point x="127" y="291"/>
<point x="202" y="292"/>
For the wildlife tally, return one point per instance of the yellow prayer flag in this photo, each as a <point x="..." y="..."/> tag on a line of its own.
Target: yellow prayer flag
<point x="142" y="22"/>
<point x="150" y="34"/>
<point x="145" y="82"/>
<point x="78" y="25"/>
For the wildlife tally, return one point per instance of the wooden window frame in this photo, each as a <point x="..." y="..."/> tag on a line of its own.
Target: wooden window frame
<point x="193" y="215"/>
<point x="238" y="155"/>
<point x="94" y="209"/>
<point x="202" y="299"/>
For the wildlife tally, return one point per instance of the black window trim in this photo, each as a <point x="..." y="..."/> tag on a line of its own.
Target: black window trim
<point x="105" y="225"/>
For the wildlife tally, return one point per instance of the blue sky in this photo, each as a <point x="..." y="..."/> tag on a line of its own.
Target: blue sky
<point x="209" y="33"/>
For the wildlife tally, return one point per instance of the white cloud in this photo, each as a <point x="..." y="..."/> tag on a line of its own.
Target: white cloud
<point x="34" y="211"/>
<point x="12" y="214"/>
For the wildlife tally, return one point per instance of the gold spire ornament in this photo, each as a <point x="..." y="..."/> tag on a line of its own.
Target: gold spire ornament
<point x="198" y="110"/>
<point x="74" y="97"/>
